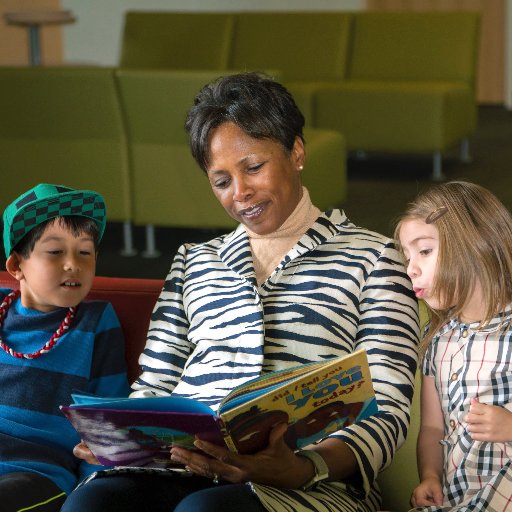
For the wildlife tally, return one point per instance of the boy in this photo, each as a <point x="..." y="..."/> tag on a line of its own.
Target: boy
<point x="52" y="343"/>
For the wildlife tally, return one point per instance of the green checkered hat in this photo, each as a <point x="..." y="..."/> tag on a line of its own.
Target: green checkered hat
<point x="44" y="202"/>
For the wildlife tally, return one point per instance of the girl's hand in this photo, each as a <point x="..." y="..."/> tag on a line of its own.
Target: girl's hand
<point x="82" y="451"/>
<point x="428" y="493"/>
<point x="489" y="422"/>
<point x="276" y="465"/>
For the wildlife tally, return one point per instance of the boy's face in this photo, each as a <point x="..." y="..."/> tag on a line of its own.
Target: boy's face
<point x="59" y="271"/>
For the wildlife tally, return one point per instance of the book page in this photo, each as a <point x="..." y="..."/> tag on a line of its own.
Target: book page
<point x="318" y="402"/>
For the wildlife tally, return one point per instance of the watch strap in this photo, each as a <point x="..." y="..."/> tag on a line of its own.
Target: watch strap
<point x="321" y="468"/>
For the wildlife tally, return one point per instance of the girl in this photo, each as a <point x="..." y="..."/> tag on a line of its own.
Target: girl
<point x="457" y="241"/>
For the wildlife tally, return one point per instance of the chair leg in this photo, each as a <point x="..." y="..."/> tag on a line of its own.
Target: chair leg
<point x="465" y="155"/>
<point x="437" y="167"/>
<point x="151" y="251"/>
<point x="128" y="248"/>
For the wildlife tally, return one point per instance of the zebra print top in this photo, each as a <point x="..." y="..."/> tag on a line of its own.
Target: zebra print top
<point x="339" y="289"/>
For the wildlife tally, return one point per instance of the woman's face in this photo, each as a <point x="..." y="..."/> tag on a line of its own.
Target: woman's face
<point x="255" y="180"/>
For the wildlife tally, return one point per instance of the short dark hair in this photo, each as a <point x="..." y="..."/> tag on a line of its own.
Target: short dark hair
<point x="260" y="106"/>
<point x="74" y="223"/>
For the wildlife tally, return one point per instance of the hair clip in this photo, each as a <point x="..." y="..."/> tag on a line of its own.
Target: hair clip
<point x="436" y="214"/>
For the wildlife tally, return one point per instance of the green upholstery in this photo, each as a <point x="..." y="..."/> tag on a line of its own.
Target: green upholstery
<point x="176" y="40"/>
<point x="283" y="44"/>
<point x="325" y="172"/>
<point x="424" y="46"/>
<point x="398" y="82"/>
<point x="303" y="61"/>
<point x="63" y="125"/>
<point x="170" y="40"/>
<point x="399" y="480"/>
<point x="410" y="84"/>
<point x="390" y="116"/>
<point x="169" y="188"/>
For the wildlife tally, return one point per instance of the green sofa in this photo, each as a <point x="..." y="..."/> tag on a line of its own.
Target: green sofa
<point x="64" y="125"/>
<point x="121" y="132"/>
<point x="395" y="82"/>
<point x="154" y="104"/>
<point x="410" y="84"/>
<point x="399" y="480"/>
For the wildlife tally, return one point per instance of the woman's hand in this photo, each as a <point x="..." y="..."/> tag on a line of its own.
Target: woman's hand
<point x="276" y="465"/>
<point x="82" y="451"/>
<point x="489" y="422"/>
<point x="428" y="493"/>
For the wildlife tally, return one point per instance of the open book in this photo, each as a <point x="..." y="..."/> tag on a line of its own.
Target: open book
<point x="315" y="400"/>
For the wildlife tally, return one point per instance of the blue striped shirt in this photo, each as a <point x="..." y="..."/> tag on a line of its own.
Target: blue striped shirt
<point x="34" y="435"/>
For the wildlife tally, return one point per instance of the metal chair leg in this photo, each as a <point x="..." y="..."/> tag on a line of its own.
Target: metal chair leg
<point x="465" y="155"/>
<point x="128" y="248"/>
<point x="437" y="167"/>
<point x="151" y="251"/>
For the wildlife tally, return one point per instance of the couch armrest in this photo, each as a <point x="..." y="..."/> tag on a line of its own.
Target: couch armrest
<point x="133" y="301"/>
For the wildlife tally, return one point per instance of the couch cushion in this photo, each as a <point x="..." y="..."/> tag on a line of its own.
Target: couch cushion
<point x="63" y="125"/>
<point x="307" y="46"/>
<point x="325" y="172"/>
<point x="155" y="104"/>
<point x="415" y="46"/>
<point x="397" y="116"/>
<point x="177" y="40"/>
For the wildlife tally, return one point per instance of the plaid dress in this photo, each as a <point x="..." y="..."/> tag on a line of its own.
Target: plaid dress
<point x="466" y="363"/>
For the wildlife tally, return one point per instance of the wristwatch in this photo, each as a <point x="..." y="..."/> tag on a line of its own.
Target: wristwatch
<point x="321" y="468"/>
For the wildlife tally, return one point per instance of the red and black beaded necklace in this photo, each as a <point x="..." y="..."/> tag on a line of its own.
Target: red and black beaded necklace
<point x="62" y="329"/>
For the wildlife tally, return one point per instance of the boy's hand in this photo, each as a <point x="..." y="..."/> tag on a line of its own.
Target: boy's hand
<point x="82" y="451"/>
<point x="428" y="493"/>
<point x="489" y="422"/>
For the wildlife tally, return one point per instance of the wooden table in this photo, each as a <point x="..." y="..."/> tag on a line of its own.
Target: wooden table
<point x="33" y="20"/>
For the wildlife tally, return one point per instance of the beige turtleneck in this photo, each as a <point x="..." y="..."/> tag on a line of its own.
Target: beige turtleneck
<point x="269" y="250"/>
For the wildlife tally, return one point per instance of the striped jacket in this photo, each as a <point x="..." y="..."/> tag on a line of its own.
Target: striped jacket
<point x="339" y="289"/>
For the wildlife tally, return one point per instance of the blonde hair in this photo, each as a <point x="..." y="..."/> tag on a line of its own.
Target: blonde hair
<point x="475" y="246"/>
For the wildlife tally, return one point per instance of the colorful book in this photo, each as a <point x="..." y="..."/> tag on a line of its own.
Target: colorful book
<point x="315" y="400"/>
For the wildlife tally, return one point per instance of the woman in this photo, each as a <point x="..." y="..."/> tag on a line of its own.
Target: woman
<point x="290" y="285"/>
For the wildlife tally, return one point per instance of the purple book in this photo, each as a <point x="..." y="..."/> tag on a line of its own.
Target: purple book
<point x="141" y="431"/>
<point x="315" y="400"/>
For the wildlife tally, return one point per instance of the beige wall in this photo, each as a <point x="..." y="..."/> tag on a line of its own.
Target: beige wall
<point x="95" y="37"/>
<point x="491" y="72"/>
<point x="14" y="39"/>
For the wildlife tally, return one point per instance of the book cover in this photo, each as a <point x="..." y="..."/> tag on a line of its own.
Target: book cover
<point x="315" y="400"/>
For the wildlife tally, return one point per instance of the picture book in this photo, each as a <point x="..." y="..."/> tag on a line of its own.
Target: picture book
<point x="314" y="399"/>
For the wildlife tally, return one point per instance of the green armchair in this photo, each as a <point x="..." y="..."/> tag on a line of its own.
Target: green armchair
<point x="64" y="125"/>
<point x="410" y="85"/>
<point x="169" y="189"/>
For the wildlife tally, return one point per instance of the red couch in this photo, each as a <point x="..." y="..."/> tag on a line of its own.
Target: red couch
<point x="133" y="301"/>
